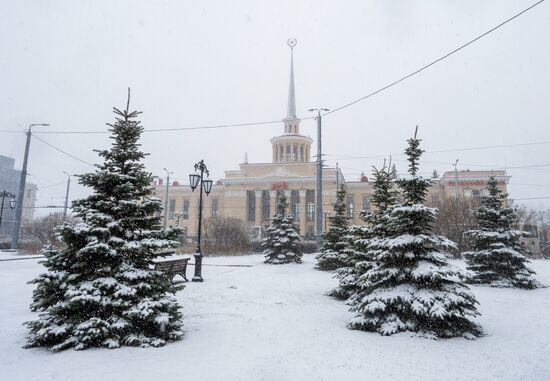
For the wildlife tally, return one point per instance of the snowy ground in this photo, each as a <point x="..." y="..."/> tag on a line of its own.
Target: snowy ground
<point x="270" y="322"/>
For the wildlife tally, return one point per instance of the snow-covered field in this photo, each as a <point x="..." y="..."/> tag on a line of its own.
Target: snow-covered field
<point x="269" y="322"/>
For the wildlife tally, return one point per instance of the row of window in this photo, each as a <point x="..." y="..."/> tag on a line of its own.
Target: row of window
<point x="266" y="205"/>
<point x="291" y="152"/>
<point x="294" y="205"/>
<point x="185" y="212"/>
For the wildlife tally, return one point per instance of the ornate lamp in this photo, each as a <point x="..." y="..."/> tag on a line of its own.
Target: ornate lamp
<point x="207" y="184"/>
<point x="13" y="203"/>
<point x="194" y="180"/>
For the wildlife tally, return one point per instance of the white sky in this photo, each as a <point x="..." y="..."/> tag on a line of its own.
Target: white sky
<point x="191" y="63"/>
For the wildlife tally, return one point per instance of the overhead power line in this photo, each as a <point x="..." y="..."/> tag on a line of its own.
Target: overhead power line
<point x="306" y="118"/>
<point x="349" y="157"/>
<point x="332" y="111"/>
<point x="215" y="126"/>
<point x="60" y="150"/>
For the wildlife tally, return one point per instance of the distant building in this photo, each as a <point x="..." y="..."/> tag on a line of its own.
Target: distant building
<point x="249" y="192"/>
<point x="9" y="182"/>
<point x="466" y="183"/>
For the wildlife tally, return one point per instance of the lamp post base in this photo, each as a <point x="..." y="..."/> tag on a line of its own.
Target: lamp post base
<point x="197" y="277"/>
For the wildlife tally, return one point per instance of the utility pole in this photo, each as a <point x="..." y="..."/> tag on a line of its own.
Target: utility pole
<point x="319" y="190"/>
<point x="22" y="182"/>
<point x="66" y="195"/>
<point x="456" y="180"/>
<point x="166" y="197"/>
<point x="337" y="177"/>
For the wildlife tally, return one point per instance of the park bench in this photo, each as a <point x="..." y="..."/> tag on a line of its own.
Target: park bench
<point x="172" y="266"/>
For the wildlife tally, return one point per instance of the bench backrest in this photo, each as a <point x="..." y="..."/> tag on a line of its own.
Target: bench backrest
<point x="172" y="265"/>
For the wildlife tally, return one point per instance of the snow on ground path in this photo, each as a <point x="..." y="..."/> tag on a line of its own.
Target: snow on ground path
<point x="273" y="322"/>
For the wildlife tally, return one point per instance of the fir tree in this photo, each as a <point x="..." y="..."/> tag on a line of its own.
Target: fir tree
<point x="358" y="255"/>
<point x="410" y="286"/>
<point x="282" y="241"/>
<point x="100" y="290"/>
<point x="496" y="259"/>
<point x="333" y="253"/>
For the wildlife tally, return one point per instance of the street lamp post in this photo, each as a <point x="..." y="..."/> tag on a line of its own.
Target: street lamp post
<point x="195" y="180"/>
<point x="12" y="203"/>
<point x="319" y="190"/>
<point x="166" y="197"/>
<point x="327" y="214"/>
<point x="65" y="207"/>
<point x="22" y="183"/>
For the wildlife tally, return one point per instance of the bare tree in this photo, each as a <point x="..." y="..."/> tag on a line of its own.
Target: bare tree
<point x="225" y="235"/>
<point x="41" y="231"/>
<point x="526" y="216"/>
<point x="454" y="218"/>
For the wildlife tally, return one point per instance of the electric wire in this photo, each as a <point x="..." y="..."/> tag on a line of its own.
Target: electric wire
<point x="63" y="152"/>
<point x="433" y="62"/>
<point x="350" y="157"/>
<point x="326" y="113"/>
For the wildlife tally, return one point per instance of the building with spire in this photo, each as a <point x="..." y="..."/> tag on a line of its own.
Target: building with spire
<point x="249" y="193"/>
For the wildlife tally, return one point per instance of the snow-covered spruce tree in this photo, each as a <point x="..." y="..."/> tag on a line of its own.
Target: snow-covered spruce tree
<point x="100" y="290"/>
<point x="496" y="259"/>
<point x="282" y="241"/>
<point x="355" y="240"/>
<point x="410" y="286"/>
<point x="333" y="246"/>
<point x="359" y="256"/>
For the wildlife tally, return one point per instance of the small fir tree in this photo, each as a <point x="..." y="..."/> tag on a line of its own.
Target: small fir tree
<point x="100" y="290"/>
<point x="333" y="251"/>
<point x="496" y="259"/>
<point x="410" y="286"/>
<point x="282" y="242"/>
<point x="359" y="257"/>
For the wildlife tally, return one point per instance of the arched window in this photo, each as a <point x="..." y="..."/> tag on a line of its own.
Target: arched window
<point x="295" y="204"/>
<point x="266" y="205"/>
<point x="310" y="205"/>
<point x="251" y="206"/>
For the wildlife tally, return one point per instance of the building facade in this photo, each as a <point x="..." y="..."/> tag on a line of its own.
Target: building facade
<point x="9" y="182"/>
<point x="249" y="192"/>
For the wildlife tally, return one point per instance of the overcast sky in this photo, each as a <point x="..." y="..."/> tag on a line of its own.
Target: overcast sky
<point x="192" y="63"/>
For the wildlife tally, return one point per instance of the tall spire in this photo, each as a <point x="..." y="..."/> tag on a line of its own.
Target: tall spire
<point x="291" y="109"/>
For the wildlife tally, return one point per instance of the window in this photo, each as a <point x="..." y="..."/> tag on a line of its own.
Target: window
<point x="266" y="205"/>
<point x="435" y="200"/>
<point x="309" y="233"/>
<point x="350" y="206"/>
<point x="301" y="153"/>
<point x="280" y="153"/>
<point x="251" y="206"/>
<point x="171" y="208"/>
<point x="476" y="193"/>
<point x="366" y="205"/>
<point x="295" y="204"/>
<point x="288" y="152"/>
<point x="214" y="207"/>
<point x="310" y="205"/>
<point x="294" y="152"/>
<point x="185" y="209"/>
